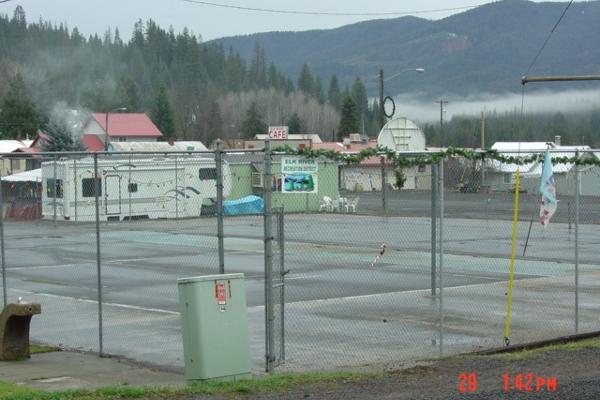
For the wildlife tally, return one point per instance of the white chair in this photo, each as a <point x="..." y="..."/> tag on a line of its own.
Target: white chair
<point x="343" y="203"/>
<point x="325" y="204"/>
<point x="335" y="205"/>
<point x="352" y="204"/>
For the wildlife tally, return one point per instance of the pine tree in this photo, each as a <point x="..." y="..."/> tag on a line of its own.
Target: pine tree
<point x="162" y="115"/>
<point x="334" y="94"/>
<point x="318" y="91"/>
<point x="295" y="125"/>
<point x="128" y="95"/>
<point x="306" y="81"/>
<point x="359" y="94"/>
<point x="60" y="137"/>
<point x="349" y="121"/>
<point x="254" y="123"/>
<point x="214" y="123"/>
<point x="18" y="117"/>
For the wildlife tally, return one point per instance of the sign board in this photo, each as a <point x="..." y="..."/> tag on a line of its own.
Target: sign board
<point x="221" y="294"/>
<point x="278" y="132"/>
<point x="300" y="175"/>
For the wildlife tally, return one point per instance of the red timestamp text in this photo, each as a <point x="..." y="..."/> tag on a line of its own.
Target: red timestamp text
<point x="529" y="382"/>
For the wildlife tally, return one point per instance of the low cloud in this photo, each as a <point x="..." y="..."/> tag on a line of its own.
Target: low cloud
<point x="538" y="102"/>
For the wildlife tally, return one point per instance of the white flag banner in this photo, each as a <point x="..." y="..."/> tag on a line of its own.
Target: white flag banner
<point x="548" y="192"/>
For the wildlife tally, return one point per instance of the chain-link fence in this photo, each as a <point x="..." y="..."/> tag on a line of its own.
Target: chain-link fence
<point x="345" y="265"/>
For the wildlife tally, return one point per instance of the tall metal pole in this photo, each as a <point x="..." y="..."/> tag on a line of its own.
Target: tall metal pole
<point x="97" y="183"/>
<point x="434" y="216"/>
<point x="482" y="174"/>
<point x="268" y="238"/>
<point x="381" y="113"/>
<point x="383" y="185"/>
<point x="220" y="234"/>
<point x="442" y="102"/>
<point x="5" y="295"/>
<point x="441" y="274"/>
<point x="577" y="185"/>
<point x="106" y="132"/>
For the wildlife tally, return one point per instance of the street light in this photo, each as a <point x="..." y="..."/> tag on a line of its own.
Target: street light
<point x="106" y="125"/>
<point x="381" y="80"/>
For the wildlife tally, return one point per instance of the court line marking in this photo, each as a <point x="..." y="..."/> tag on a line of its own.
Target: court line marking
<point x="313" y="301"/>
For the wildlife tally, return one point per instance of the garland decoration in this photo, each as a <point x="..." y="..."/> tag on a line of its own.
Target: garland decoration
<point x="401" y="161"/>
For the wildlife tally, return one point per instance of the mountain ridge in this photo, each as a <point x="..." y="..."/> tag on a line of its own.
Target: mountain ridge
<point x="485" y="49"/>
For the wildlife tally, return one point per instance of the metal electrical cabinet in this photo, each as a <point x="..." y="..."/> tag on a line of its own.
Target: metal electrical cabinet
<point x="214" y="327"/>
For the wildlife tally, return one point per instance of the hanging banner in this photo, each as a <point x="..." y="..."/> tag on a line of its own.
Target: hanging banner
<point x="300" y="175"/>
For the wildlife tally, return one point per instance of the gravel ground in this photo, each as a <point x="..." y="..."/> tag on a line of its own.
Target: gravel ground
<point x="577" y="374"/>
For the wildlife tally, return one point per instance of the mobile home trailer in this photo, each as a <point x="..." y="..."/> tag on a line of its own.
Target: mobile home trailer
<point x="129" y="188"/>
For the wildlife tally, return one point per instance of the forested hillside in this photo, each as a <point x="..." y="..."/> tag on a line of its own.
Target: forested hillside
<point x="206" y="89"/>
<point x="483" y="50"/>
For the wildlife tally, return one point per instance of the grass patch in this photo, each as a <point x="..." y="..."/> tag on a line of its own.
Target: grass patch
<point x="269" y="384"/>
<point x="37" y="349"/>
<point x="569" y="346"/>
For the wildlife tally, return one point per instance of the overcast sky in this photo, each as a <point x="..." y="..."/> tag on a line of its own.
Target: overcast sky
<point x="94" y="16"/>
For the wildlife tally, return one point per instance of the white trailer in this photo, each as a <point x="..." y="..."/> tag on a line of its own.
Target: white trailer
<point x="142" y="188"/>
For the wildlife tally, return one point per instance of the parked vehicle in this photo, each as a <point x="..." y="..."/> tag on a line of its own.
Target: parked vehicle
<point x="142" y="188"/>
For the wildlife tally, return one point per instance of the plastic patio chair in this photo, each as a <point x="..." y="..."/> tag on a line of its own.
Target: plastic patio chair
<point x="352" y="204"/>
<point x="325" y="204"/>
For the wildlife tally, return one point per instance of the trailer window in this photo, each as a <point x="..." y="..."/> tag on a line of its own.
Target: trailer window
<point x="207" y="173"/>
<point x="87" y="186"/>
<point x="50" y="184"/>
<point x="132" y="188"/>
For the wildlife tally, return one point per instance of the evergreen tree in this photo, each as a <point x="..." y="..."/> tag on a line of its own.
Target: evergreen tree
<point x="128" y="95"/>
<point x="306" y="81"/>
<point x="334" y="94"/>
<point x="162" y="115"/>
<point x="318" y="91"/>
<point x="18" y="117"/>
<point x="60" y="137"/>
<point x="295" y="125"/>
<point x="359" y="94"/>
<point x="258" y="66"/>
<point x="349" y="121"/>
<point x="254" y="123"/>
<point x="214" y="124"/>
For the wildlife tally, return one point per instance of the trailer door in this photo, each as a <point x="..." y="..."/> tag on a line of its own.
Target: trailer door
<point x="112" y="194"/>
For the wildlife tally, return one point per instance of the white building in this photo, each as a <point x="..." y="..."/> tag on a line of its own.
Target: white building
<point x="501" y="176"/>
<point x="401" y="134"/>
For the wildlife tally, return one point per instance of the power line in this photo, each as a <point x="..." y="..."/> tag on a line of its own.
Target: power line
<point x="4" y="1"/>
<point x="548" y="38"/>
<point x="299" y="12"/>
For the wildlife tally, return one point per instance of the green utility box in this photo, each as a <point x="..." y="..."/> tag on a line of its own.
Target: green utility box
<point x="214" y="327"/>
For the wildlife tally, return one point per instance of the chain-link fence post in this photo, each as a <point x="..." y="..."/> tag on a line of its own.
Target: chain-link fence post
<point x="441" y="271"/>
<point x="383" y="184"/>
<point x="129" y="186"/>
<point x="219" y="168"/>
<point x="268" y="238"/>
<point x="55" y="193"/>
<point x="434" y="184"/>
<point x="577" y="185"/>
<point x="5" y="296"/>
<point x="97" y="188"/>
<point x="176" y="188"/>
<point x="75" y="185"/>
<point x="282" y="273"/>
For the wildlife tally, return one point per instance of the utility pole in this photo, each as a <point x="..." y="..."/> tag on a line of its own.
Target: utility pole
<point x="442" y="102"/>
<point x="482" y="147"/>
<point x="381" y="112"/>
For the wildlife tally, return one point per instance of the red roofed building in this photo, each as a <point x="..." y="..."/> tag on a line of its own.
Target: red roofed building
<point x="122" y="127"/>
